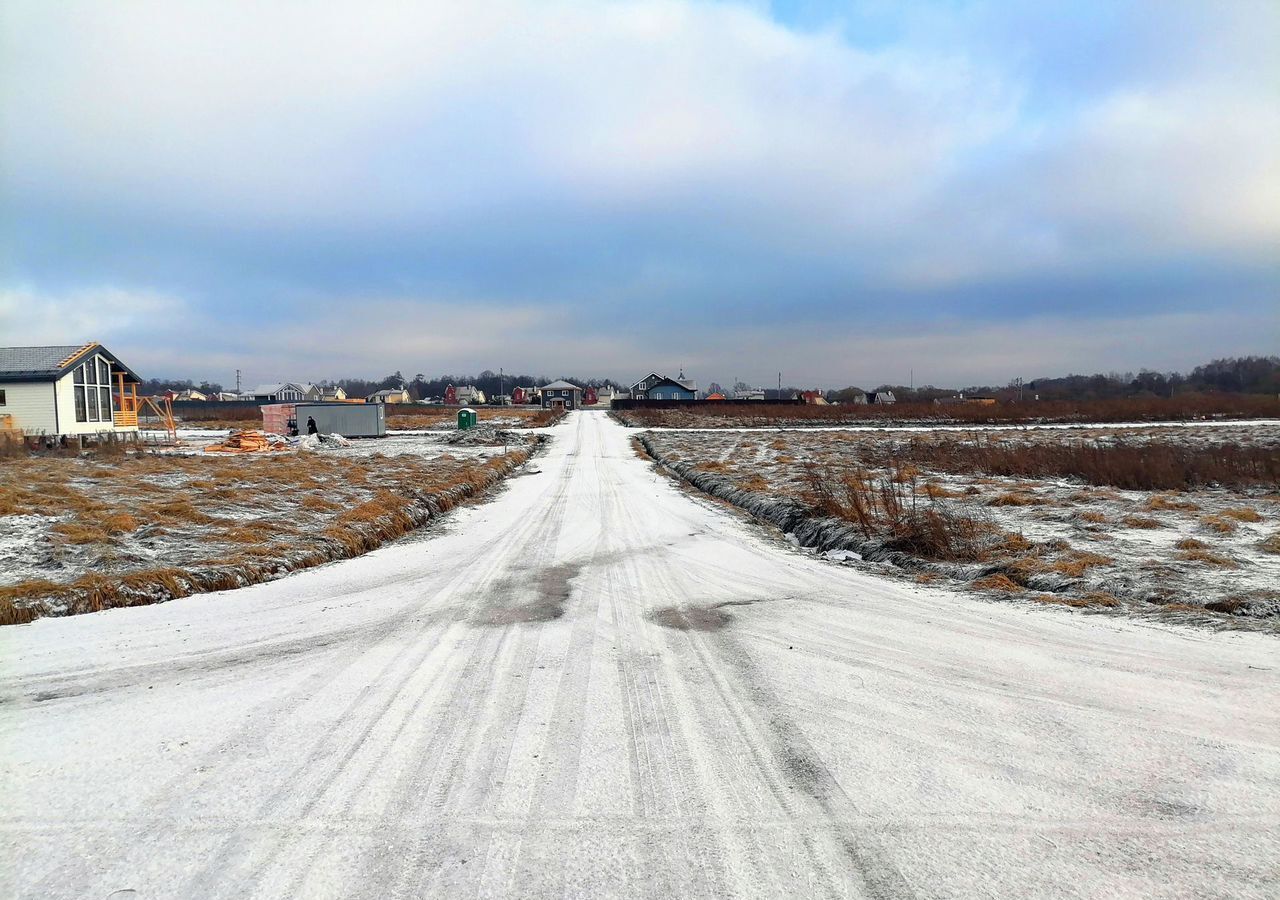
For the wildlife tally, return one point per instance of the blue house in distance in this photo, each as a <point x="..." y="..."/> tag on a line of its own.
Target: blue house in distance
<point x="659" y="387"/>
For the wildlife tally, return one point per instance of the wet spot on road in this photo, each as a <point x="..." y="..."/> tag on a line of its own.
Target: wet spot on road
<point x="540" y="598"/>
<point x="690" y="618"/>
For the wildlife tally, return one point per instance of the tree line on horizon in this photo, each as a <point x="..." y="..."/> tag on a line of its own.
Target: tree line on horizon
<point x="1231" y="375"/>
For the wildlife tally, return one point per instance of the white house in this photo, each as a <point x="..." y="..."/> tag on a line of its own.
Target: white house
<point x="469" y="395"/>
<point x="67" y="390"/>
<point x="288" y="392"/>
<point x="388" y="395"/>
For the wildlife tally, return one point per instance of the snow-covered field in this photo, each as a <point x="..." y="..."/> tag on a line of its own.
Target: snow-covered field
<point x="600" y="685"/>
<point x="1179" y="552"/>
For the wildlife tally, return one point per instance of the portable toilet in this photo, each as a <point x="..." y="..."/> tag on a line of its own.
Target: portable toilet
<point x="466" y="418"/>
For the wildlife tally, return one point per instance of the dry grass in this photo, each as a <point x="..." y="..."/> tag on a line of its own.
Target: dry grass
<point x="1190" y="543"/>
<point x="1242" y="514"/>
<point x="894" y="508"/>
<point x="1170" y="502"/>
<point x="1129" y="409"/>
<point x="1219" y="523"/>
<point x="1091" y="516"/>
<point x="1080" y="601"/>
<point x="996" y="582"/>
<point x="1017" y="498"/>
<point x="1077" y="562"/>
<point x="229" y="521"/>
<point x="1270" y="543"/>
<point x="1142" y="522"/>
<point x="1208" y="557"/>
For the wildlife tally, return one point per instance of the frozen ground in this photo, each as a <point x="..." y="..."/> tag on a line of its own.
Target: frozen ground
<point x="64" y="519"/>
<point x="1166" y="552"/>
<point x="597" y="685"/>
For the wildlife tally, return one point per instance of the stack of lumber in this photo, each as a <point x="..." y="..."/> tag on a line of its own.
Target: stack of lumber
<point x="246" y="442"/>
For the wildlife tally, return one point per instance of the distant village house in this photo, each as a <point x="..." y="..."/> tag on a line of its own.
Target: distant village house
<point x="660" y="387"/>
<point x="561" y="395"/>
<point x="389" y="395"/>
<point x="286" y="392"/>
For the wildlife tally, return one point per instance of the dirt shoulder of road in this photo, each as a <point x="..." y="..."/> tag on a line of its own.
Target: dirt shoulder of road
<point x="81" y="533"/>
<point x="1150" y="524"/>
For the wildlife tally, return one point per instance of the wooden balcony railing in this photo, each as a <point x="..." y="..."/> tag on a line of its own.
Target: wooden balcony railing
<point x="125" y="419"/>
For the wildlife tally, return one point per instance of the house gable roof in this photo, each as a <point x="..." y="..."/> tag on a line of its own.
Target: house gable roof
<point x="651" y="377"/>
<point x="49" y="363"/>
<point x="560" y="386"/>
<point x="664" y="381"/>
<point x="277" y="388"/>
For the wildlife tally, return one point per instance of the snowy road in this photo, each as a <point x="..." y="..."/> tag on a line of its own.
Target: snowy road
<point x="597" y="686"/>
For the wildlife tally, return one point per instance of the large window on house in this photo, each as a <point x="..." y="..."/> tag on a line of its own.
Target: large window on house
<point x="91" y="388"/>
<point x="82" y="414"/>
<point x="92" y="393"/>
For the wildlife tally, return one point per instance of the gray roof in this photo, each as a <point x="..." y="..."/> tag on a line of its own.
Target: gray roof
<point x="49" y="363"/>
<point x="30" y="360"/>
<point x="560" y="386"/>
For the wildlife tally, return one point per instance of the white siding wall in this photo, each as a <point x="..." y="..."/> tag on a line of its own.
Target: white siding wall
<point x="31" y="405"/>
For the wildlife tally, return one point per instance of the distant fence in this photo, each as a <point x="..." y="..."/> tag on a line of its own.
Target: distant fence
<point x="196" y="410"/>
<point x="691" y="404"/>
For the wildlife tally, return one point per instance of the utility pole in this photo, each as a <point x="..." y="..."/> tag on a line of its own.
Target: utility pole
<point x="237" y="381"/>
<point x="779" y="385"/>
<point x="501" y="386"/>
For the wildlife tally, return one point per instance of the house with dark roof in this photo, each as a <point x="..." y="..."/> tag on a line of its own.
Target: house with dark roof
<point x="660" y="387"/>
<point x="561" y="395"/>
<point x="67" y="390"/>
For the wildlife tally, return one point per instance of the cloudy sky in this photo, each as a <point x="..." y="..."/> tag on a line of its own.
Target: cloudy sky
<point x="841" y="191"/>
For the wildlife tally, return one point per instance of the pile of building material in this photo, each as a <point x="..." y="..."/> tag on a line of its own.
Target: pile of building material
<point x="323" y="442"/>
<point x="249" y="442"/>
<point x="484" y="436"/>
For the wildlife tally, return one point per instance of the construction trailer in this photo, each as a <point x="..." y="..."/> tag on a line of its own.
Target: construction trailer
<point x="351" y="420"/>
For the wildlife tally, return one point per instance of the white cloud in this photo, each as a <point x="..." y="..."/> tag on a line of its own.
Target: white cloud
<point x="29" y="317"/>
